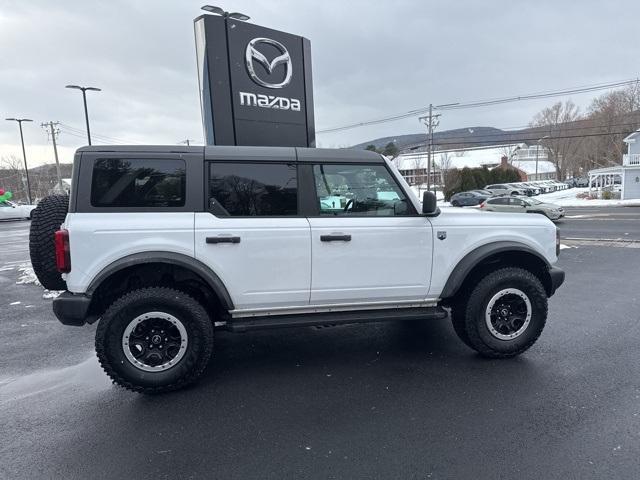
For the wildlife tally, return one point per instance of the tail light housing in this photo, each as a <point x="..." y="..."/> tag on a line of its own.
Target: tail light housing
<point x="63" y="253"/>
<point x="482" y="205"/>
<point x="557" y="241"/>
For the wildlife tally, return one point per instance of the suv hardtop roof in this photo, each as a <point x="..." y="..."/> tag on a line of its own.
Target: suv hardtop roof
<point x="227" y="152"/>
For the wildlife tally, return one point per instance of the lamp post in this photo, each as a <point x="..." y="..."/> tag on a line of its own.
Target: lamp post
<point x="538" y="150"/>
<point x="84" y="99"/>
<point x="24" y="153"/>
<point x="219" y="11"/>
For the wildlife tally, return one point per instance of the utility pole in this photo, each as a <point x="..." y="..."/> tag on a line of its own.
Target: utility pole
<point x="53" y="131"/>
<point x="24" y="153"/>
<point x="431" y="121"/>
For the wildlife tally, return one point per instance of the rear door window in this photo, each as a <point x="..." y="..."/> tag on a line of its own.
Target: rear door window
<point x="118" y="182"/>
<point x="242" y="189"/>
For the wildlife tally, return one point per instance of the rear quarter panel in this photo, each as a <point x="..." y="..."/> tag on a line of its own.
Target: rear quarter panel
<point x="99" y="239"/>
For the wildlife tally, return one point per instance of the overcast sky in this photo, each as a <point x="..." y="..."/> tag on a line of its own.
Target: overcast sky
<point x="370" y="59"/>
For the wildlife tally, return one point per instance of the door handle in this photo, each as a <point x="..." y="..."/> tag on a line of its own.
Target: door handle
<point x="222" y="239"/>
<point x="335" y="238"/>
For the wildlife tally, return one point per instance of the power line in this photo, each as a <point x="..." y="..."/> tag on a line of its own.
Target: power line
<point x="506" y="135"/>
<point x="104" y="137"/>
<point x="558" y="137"/>
<point x="483" y="103"/>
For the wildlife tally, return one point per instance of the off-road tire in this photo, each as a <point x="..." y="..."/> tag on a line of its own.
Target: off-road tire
<point x="475" y="333"/>
<point x="459" y="322"/>
<point x="46" y="219"/>
<point x="113" y="323"/>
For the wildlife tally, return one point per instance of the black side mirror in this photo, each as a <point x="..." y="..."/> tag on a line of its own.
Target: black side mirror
<point x="429" y="204"/>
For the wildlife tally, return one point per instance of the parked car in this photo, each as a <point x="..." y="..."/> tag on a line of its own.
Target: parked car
<point x="522" y="205"/>
<point x="470" y="198"/>
<point x="12" y="211"/>
<point x="504" y="189"/>
<point x="537" y="190"/>
<point x="269" y="243"/>
<point x="526" y="189"/>
<point x="581" y="182"/>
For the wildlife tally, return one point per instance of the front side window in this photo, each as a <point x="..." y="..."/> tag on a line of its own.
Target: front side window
<point x="118" y="182"/>
<point x="253" y="189"/>
<point x="360" y="190"/>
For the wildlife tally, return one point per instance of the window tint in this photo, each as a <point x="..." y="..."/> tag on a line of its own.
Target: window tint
<point x="517" y="202"/>
<point x="120" y="182"/>
<point x="253" y="189"/>
<point x="499" y="201"/>
<point x="359" y="190"/>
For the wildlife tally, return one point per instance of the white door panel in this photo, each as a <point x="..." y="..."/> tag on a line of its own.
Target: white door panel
<point x="387" y="259"/>
<point x="269" y="266"/>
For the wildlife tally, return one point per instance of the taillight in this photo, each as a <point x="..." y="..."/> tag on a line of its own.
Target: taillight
<point x="482" y="205"/>
<point x="63" y="254"/>
<point x="557" y="242"/>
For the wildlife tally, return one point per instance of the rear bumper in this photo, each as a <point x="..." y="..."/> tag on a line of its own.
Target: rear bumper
<point x="72" y="309"/>
<point x="557" y="278"/>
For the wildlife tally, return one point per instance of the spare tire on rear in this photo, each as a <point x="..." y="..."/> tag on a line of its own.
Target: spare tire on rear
<point x="45" y="221"/>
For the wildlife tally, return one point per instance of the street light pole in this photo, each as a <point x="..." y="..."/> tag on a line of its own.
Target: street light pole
<point x="84" y="100"/>
<point x="24" y="152"/>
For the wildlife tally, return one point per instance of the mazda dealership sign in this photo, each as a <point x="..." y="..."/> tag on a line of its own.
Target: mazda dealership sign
<point x="255" y="84"/>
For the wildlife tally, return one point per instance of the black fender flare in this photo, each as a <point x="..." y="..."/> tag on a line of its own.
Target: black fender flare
<point x="196" y="266"/>
<point x="475" y="257"/>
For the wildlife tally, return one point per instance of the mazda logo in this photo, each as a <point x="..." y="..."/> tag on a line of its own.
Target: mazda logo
<point x="252" y="55"/>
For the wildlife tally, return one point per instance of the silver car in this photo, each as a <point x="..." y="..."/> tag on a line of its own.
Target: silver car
<point x="504" y="189"/>
<point x="523" y="205"/>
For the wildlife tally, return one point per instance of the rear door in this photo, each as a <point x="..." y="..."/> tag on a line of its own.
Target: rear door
<point x="368" y="243"/>
<point x="252" y="234"/>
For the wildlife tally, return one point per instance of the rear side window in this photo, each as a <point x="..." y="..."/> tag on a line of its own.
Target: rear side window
<point x="499" y="201"/>
<point x="120" y="182"/>
<point x="253" y="189"/>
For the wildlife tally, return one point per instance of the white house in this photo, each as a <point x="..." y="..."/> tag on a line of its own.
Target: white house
<point x="413" y="166"/>
<point x="628" y="172"/>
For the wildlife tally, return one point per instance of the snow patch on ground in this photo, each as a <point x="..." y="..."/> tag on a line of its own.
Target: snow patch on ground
<point x="568" y="198"/>
<point x="563" y="246"/>
<point x="26" y="276"/>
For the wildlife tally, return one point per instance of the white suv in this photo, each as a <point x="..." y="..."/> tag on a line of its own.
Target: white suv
<point x="163" y="245"/>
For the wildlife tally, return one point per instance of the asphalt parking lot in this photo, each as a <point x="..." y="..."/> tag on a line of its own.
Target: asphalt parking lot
<point x="402" y="400"/>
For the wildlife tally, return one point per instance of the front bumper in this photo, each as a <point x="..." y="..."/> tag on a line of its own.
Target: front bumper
<point x="72" y="309"/>
<point x="557" y="278"/>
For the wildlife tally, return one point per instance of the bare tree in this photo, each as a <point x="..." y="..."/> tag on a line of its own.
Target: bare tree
<point x="562" y="144"/>
<point x="614" y="115"/>
<point x="12" y="176"/>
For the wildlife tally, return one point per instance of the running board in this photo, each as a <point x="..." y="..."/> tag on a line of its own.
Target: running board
<point x="335" y="318"/>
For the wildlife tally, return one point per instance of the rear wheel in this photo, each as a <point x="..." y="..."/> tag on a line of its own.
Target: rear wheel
<point x="504" y="315"/>
<point x="154" y="340"/>
<point x="46" y="219"/>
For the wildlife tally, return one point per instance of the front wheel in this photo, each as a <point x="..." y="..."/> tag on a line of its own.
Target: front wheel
<point x="505" y="313"/>
<point x="154" y="340"/>
<point x="455" y="203"/>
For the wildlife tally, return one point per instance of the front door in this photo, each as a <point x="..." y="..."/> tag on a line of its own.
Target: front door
<point x="368" y="243"/>
<point x="253" y="236"/>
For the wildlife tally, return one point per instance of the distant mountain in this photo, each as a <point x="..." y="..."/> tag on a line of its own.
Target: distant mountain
<point x="457" y="138"/>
